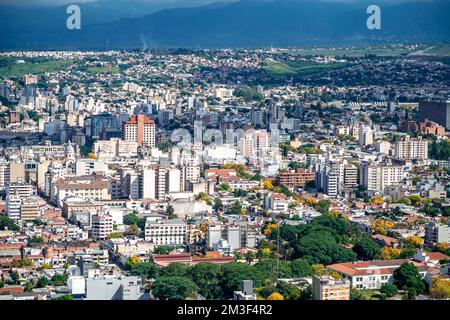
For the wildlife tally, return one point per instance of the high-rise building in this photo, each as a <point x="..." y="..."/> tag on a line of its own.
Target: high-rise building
<point x="437" y="233"/>
<point x="365" y="136"/>
<point x="378" y="177"/>
<point x="165" y="232"/>
<point x="102" y="226"/>
<point x="438" y="112"/>
<point x="411" y="149"/>
<point x="141" y="129"/>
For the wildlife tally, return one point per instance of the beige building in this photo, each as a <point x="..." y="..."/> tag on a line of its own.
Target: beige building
<point x="141" y="129"/>
<point x="328" y="288"/>
<point x="411" y="149"/>
<point x="93" y="187"/>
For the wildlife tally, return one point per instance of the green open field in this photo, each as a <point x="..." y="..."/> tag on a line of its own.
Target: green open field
<point x="98" y="70"/>
<point x="10" y="68"/>
<point x="299" y="68"/>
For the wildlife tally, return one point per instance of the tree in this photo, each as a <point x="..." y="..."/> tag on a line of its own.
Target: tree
<point x="170" y="210"/>
<point x="225" y="187"/>
<point x="301" y="268"/>
<point x="235" y="208"/>
<point x="59" y="280"/>
<point x="207" y="276"/>
<point x="389" y="253"/>
<point x="233" y="275"/>
<point x="42" y="282"/>
<point x="145" y="270"/>
<point x="366" y="249"/>
<point x="217" y="204"/>
<point x="65" y="297"/>
<point x="6" y="222"/>
<point x="29" y="286"/>
<point x="440" y="289"/>
<point x="177" y="269"/>
<point x="388" y="289"/>
<point x="161" y="250"/>
<point x="275" y="296"/>
<point x="250" y="256"/>
<point x="407" y="277"/>
<point x="132" y="261"/>
<point x="174" y="288"/>
<point x="414" y="241"/>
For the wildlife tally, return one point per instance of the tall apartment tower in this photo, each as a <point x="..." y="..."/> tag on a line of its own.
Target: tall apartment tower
<point x="411" y="149"/>
<point x="438" y="112"/>
<point x="141" y="129"/>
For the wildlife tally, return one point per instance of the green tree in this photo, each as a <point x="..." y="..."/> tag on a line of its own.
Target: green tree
<point x="250" y="256"/>
<point x="177" y="269"/>
<point x="217" y="204"/>
<point x="207" y="277"/>
<point x="65" y="297"/>
<point x="174" y="288"/>
<point x="366" y="249"/>
<point x="301" y="268"/>
<point x="388" y="289"/>
<point x="145" y="270"/>
<point x="37" y="239"/>
<point x="407" y="277"/>
<point x="6" y="222"/>
<point x="161" y="250"/>
<point x="235" y="208"/>
<point x="59" y="279"/>
<point x="225" y="187"/>
<point x="233" y="275"/>
<point x="42" y="282"/>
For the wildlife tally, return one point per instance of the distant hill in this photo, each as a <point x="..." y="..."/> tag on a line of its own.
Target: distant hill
<point x="248" y="23"/>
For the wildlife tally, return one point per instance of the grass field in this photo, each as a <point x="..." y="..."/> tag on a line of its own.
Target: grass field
<point x="99" y="70"/>
<point x="300" y="68"/>
<point x="10" y="68"/>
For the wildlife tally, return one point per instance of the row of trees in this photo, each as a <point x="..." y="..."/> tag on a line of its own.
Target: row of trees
<point x="213" y="281"/>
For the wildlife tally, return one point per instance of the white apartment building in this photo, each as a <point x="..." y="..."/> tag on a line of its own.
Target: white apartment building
<point x="86" y="167"/>
<point x="13" y="204"/>
<point x="102" y="226"/>
<point x="365" y="137"/>
<point x="165" y="232"/>
<point x="115" y="147"/>
<point x="411" y="149"/>
<point x="378" y="177"/>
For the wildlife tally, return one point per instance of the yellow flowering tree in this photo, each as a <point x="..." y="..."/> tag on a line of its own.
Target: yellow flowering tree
<point x="389" y="253"/>
<point x="440" y="289"/>
<point x="275" y="296"/>
<point x="414" y="241"/>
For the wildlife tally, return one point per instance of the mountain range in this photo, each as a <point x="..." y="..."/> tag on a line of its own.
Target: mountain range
<point x="246" y="23"/>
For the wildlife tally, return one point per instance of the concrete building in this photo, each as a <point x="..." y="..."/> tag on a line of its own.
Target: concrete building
<point x="365" y="137"/>
<point x="411" y="149"/>
<point x="113" y="288"/>
<point x="438" y="112"/>
<point x="437" y="233"/>
<point x="165" y="232"/>
<point x="378" y="177"/>
<point x="373" y="274"/>
<point x="328" y="288"/>
<point x="246" y="293"/>
<point x="141" y="129"/>
<point x="102" y="226"/>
